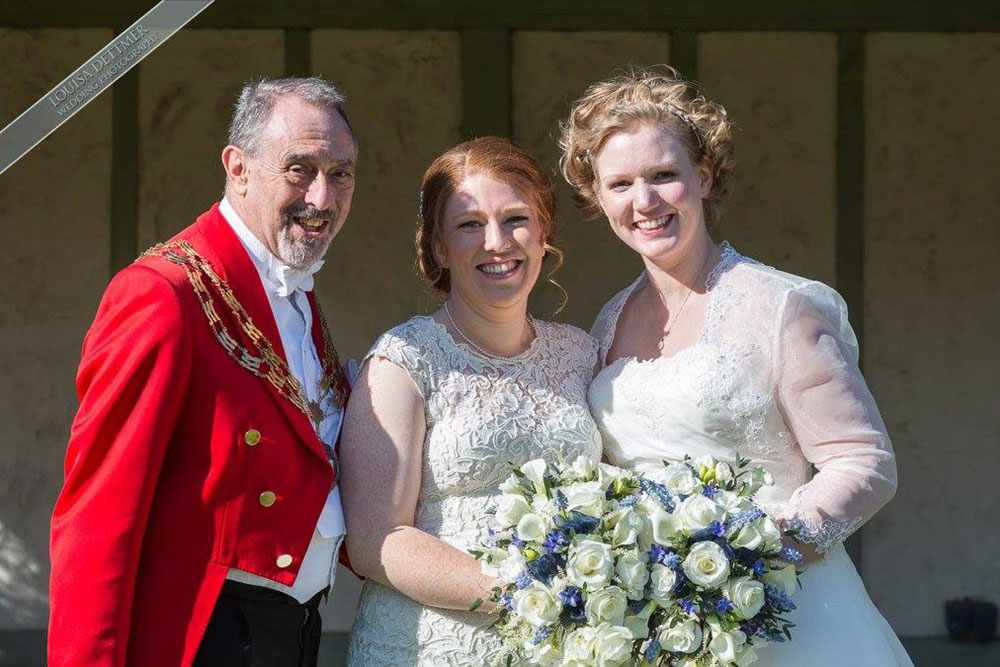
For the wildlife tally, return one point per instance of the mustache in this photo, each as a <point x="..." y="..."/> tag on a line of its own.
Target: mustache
<point x="307" y="211"/>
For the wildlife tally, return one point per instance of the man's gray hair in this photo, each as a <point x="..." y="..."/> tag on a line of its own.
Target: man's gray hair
<point x="257" y="99"/>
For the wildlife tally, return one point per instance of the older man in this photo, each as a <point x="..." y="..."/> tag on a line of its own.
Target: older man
<point x="200" y="520"/>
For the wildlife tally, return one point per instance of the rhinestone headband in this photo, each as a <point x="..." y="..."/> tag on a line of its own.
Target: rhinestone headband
<point x="676" y="112"/>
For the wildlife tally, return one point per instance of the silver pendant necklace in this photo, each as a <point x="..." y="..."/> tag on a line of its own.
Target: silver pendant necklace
<point x="673" y="320"/>
<point x="488" y="355"/>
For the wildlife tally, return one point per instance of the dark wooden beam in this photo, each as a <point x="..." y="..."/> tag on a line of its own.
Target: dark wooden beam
<point x="850" y="233"/>
<point x="823" y="15"/>
<point x="298" y="52"/>
<point x="684" y="52"/>
<point x="486" y="82"/>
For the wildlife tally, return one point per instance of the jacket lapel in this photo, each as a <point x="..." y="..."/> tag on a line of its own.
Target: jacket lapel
<point x="224" y="251"/>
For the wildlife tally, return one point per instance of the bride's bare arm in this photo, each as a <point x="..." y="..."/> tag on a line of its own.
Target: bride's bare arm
<point x="381" y="454"/>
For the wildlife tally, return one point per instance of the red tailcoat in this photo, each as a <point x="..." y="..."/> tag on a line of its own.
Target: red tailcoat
<point x="163" y="484"/>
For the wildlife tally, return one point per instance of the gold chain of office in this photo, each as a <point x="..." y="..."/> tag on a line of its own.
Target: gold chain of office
<point x="261" y="360"/>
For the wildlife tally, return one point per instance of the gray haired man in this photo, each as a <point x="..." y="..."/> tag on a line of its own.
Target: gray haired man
<point x="200" y="522"/>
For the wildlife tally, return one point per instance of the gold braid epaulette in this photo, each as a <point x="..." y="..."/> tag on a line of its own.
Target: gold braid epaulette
<point x="265" y="363"/>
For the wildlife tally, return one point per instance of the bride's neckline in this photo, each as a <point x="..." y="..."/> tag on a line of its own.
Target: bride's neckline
<point x="729" y="257"/>
<point x="445" y="335"/>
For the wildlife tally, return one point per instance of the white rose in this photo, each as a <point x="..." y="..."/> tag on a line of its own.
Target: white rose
<point x="532" y="528"/>
<point x="727" y="645"/>
<point x="662" y="580"/>
<point x="746" y="595"/>
<point x="697" y="512"/>
<point x="544" y="507"/>
<point x="511" y="485"/>
<point x="579" y="646"/>
<point x="758" y="477"/>
<point x="679" y="479"/>
<point x="771" y="534"/>
<point x="510" y="509"/>
<point x="731" y="502"/>
<point x="660" y="526"/>
<point x="638" y="624"/>
<point x="534" y="471"/>
<point x="682" y="637"/>
<point x="585" y="497"/>
<point x="491" y="560"/>
<point x="632" y="573"/>
<point x="627" y="525"/>
<point x="590" y="564"/>
<point x="785" y="579"/>
<point x="748" y="537"/>
<point x="583" y="467"/>
<point x="607" y="474"/>
<point x="536" y="604"/>
<point x="723" y="471"/>
<point x="706" y="565"/>
<point x="612" y="644"/>
<point x="606" y="605"/>
<point x="544" y="653"/>
<point x="512" y="565"/>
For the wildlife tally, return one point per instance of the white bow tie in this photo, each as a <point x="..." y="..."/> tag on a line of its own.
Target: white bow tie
<point x="289" y="279"/>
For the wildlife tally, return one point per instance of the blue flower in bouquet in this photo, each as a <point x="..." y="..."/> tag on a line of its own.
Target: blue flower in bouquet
<point x="652" y="649"/>
<point x="542" y="635"/>
<point x="581" y="524"/>
<point x="688" y="606"/>
<point x="523" y="580"/>
<point x="709" y="491"/>
<point x="543" y="568"/>
<point x="507" y="600"/>
<point x="657" y="553"/>
<point x="658" y="491"/>
<point x="573" y="603"/>
<point x="557" y="540"/>
<point x="777" y="599"/>
<point x="758" y="567"/>
<point x="560" y="500"/>
<point x="628" y="501"/>
<point x="723" y="605"/>
<point x="709" y="532"/>
<point x="744" y="518"/>
<point x="791" y="555"/>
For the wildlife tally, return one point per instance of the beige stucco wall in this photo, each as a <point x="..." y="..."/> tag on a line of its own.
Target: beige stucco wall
<point x="550" y="70"/>
<point x="783" y="207"/>
<point x="186" y="93"/>
<point x="932" y="313"/>
<point x="54" y="236"/>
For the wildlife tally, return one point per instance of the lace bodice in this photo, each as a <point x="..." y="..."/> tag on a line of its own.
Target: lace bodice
<point x="773" y="377"/>
<point x="482" y="415"/>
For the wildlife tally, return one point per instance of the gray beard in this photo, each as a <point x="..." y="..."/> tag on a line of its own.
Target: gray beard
<point x="300" y="254"/>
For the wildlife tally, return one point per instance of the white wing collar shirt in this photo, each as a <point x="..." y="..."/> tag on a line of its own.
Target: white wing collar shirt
<point x="286" y="289"/>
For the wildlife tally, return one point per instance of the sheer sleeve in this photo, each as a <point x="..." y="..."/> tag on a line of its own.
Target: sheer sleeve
<point x="833" y="417"/>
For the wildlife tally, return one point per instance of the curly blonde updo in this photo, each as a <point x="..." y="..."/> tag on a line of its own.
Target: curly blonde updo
<point x="658" y="96"/>
<point x="498" y="158"/>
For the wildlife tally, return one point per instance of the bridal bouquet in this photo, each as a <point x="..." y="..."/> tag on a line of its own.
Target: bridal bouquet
<point x="677" y="566"/>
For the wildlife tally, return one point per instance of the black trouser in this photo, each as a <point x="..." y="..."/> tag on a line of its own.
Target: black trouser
<point x="253" y="626"/>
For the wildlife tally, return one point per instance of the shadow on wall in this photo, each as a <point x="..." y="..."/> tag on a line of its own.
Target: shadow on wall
<point x="23" y="589"/>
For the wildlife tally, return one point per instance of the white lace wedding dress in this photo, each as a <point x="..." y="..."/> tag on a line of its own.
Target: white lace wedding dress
<point x="482" y="415"/>
<point x="774" y="378"/>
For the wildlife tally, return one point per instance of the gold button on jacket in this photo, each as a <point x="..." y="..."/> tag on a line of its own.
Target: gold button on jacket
<point x="284" y="560"/>
<point x="251" y="437"/>
<point x="267" y="498"/>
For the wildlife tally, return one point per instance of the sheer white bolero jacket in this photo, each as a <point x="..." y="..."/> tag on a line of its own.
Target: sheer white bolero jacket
<point x="773" y="377"/>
